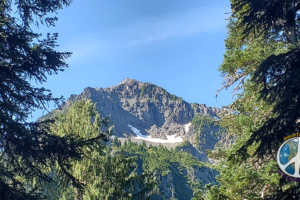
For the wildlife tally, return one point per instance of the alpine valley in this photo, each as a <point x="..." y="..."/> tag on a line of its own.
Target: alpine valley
<point x="164" y="132"/>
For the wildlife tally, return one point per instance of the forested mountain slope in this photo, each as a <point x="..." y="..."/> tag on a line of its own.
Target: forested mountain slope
<point x="179" y="174"/>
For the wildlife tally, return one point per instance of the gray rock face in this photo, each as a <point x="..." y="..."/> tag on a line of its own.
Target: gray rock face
<point x="192" y="150"/>
<point x="145" y="106"/>
<point x="207" y="141"/>
<point x="158" y="114"/>
<point x="174" y="184"/>
<point x="205" y="174"/>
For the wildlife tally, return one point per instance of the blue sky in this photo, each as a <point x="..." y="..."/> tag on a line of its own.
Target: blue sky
<point x="177" y="45"/>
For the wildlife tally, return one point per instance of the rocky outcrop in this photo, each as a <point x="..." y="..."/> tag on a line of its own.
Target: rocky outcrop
<point x="202" y="139"/>
<point x="159" y="114"/>
<point x="192" y="150"/>
<point x="205" y="174"/>
<point x="145" y="106"/>
<point x="153" y="111"/>
<point x="175" y="183"/>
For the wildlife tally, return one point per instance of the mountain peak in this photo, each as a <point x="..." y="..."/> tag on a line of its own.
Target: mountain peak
<point x="148" y="108"/>
<point x="128" y="81"/>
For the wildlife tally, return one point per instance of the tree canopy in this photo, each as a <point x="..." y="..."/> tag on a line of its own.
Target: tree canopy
<point x="27" y="150"/>
<point x="262" y="52"/>
<point x="106" y="172"/>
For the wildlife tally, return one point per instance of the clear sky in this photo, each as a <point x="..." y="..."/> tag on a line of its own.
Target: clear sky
<point x="175" y="44"/>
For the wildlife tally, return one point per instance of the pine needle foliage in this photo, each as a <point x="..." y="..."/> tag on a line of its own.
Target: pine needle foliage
<point x="28" y="151"/>
<point x="262" y="57"/>
<point x="105" y="171"/>
<point x="163" y="162"/>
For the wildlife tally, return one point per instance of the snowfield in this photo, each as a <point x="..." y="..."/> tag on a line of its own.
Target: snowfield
<point x="170" y="138"/>
<point x="187" y="127"/>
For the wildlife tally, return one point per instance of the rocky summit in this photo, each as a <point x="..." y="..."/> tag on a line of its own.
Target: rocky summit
<point x="146" y="112"/>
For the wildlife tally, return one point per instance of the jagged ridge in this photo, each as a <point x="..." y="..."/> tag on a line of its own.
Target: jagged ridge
<point x="145" y="106"/>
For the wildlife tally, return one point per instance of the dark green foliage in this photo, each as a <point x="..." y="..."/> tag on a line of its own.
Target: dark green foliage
<point x="117" y="179"/>
<point x="184" y="144"/>
<point x="278" y="18"/>
<point x="263" y="44"/>
<point x="116" y="143"/>
<point x="163" y="161"/>
<point x="212" y="192"/>
<point x="144" y="145"/>
<point x="175" y="98"/>
<point x="276" y="76"/>
<point x="200" y="122"/>
<point x="107" y="172"/>
<point x="27" y="149"/>
<point x="181" y="188"/>
<point x="280" y="76"/>
<point x="198" y="191"/>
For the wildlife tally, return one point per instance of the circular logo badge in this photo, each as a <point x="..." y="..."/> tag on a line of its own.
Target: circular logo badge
<point x="288" y="157"/>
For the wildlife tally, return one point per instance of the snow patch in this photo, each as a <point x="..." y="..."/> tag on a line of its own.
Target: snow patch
<point x="187" y="127"/>
<point x="170" y="138"/>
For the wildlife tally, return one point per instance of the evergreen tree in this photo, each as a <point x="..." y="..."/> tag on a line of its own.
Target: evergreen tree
<point x="28" y="150"/>
<point x="277" y="75"/>
<point x="106" y="173"/>
<point x="263" y="44"/>
<point x="164" y="161"/>
<point x="144" y="145"/>
<point x="116" y="143"/>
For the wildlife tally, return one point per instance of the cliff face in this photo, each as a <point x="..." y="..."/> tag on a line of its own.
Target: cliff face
<point x="203" y="135"/>
<point x="145" y="106"/>
<point x="146" y="112"/>
<point x="175" y="183"/>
